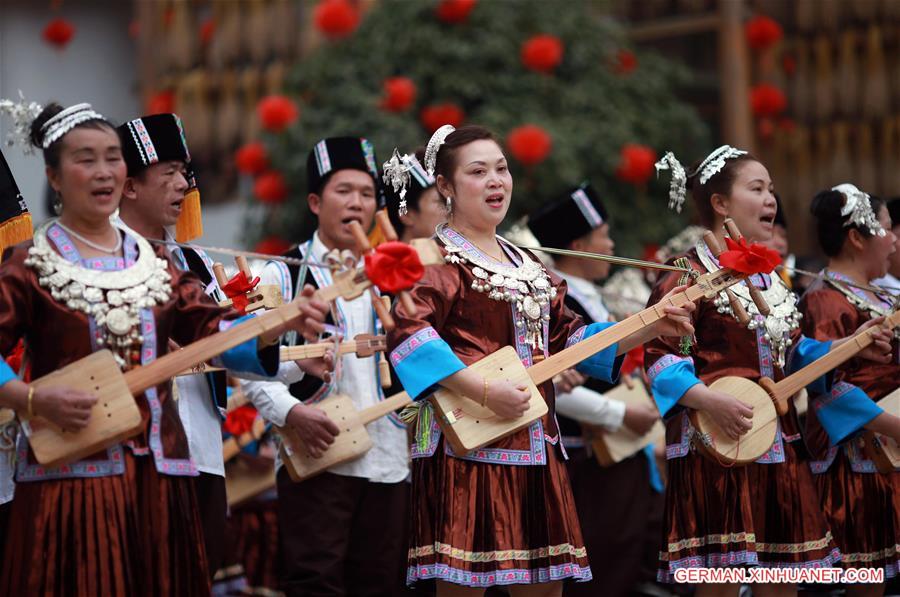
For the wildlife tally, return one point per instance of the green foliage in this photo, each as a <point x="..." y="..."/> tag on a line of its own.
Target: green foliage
<point x="589" y="110"/>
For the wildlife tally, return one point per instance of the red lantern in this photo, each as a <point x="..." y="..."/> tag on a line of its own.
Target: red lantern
<point x="270" y="187"/>
<point x="763" y="32"/>
<point x="276" y="112"/>
<point x="435" y="116"/>
<point x="635" y="163"/>
<point x="207" y="30"/>
<point x="789" y="64"/>
<point x="399" y="94"/>
<point x="59" y="32"/>
<point x="626" y="62"/>
<point x="767" y="100"/>
<point x="272" y="245"/>
<point x="530" y="144"/>
<point x="765" y="128"/>
<point x="252" y="159"/>
<point x="336" y="18"/>
<point x="454" y="11"/>
<point x="161" y="103"/>
<point x="542" y="53"/>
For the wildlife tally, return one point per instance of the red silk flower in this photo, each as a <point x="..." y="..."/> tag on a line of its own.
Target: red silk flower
<point x="240" y="420"/>
<point x="530" y="144"/>
<point x="336" y="18"/>
<point x="399" y="94"/>
<point x="542" y="53"/>
<point x="237" y="288"/>
<point x="749" y="259"/>
<point x="252" y="159"/>
<point x="394" y="266"/>
<point x="454" y="11"/>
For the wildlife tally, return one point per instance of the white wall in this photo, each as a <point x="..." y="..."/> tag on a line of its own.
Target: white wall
<point x="98" y="66"/>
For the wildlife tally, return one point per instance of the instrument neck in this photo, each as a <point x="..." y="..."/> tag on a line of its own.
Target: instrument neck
<point x="388" y="405"/>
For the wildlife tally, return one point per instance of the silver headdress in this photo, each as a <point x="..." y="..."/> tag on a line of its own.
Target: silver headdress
<point x="22" y="113"/>
<point x="397" y="171"/>
<point x="715" y="161"/>
<point x="65" y="121"/>
<point x="859" y="208"/>
<point x="434" y="144"/>
<point x="678" y="186"/>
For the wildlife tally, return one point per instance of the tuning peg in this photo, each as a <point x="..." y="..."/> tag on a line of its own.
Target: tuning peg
<point x="737" y="308"/>
<point x="243" y="266"/>
<point x="384" y="369"/>
<point x="713" y="243"/>
<point x="761" y="305"/>
<point x="362" y="243"/>
<point x="219" y="273"/>
<point x="387" y="229"/>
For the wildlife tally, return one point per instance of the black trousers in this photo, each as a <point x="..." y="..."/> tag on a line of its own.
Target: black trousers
<point x="342" y="536"/>
<point x="213" y="507"/>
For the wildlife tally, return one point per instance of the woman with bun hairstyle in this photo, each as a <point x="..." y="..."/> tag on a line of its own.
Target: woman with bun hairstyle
<point x="862" y="504"/>
<point x="123" y="521"/>
<point x="765" y="513"/>
<point x="503" y="514"/>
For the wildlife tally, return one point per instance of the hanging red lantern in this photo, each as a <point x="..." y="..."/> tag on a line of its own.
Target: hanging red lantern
<point x="272" y="245"/>
<point x="767" y="100"/>
<point x="529" y="144"/>
<point x="437" y="115"/>
<point x="162" y="102"/>
<point x="207" y="31"/>
<point x="625" y="63"/>
<point x="542" y="53"/>
<point x="270" y="187"/>
<point x="635" y="163"/>
<point x="454" y="11"/>
<point x="765" y="129"/>
<point x="763" y="32"/>
<point x="276" y="112"/>
<point x="789" y="64"/>
<point x="336" y="18"/>
<point x="59" y="33"/>
<point x="252" y="159"/>
<point x="399" y="94"/>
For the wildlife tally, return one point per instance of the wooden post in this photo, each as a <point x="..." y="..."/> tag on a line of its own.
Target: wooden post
<point x="734" y="75"/>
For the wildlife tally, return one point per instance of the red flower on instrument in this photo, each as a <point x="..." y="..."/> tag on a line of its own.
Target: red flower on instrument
<point x="530" y="144"/>
<point x="749" y="259"/>
<point x="237" y="288"/>
<point x="394" y="266"/>
<point x="454" y="11"/>
<point x="59" y="32"/>
<point x="542" y="53"/>
<point x="336" y="18"/>
<point x="240" y="420"/>
<point x="399" y="94"/>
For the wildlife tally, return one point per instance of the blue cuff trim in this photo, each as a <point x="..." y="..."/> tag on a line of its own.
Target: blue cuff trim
<point x="670" y="378"/>
<point x="247" y="357"/>
<point x="656" y="481"/>
<point x="422" y="361"/>
<point x="605" y="364"/>
<point x="844" y="411"/>
<point x="807" y="351"/>
<point x="6" y="372"/>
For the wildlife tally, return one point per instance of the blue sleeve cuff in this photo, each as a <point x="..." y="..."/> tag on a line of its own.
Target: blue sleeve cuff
<point x="249" y="357"/>
<point x="6" y="372"/>
<point x="670" y="378"/>
<point x="422" y="361"/>
<point x="844" y="411"/>
<point x="656" y="481"/>
<point x="605" y="364"/>
<point x="805" y="352"/>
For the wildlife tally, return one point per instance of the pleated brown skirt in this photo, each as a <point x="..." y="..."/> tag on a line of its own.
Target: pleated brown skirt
<point x="131" y="534"/>
<point x="480" y="524"/>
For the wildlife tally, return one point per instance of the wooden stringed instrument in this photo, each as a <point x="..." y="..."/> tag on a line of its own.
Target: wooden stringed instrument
<point x="612" y="447"/>
<point x="882" y="450"/>
<point x="116" y="416"/>
<point x="769" y="400"/>
<point x="363" y="345"/>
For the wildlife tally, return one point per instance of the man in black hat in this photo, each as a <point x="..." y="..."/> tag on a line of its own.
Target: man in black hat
<point x="343" y="531"/>
<point x="613" y="503"/>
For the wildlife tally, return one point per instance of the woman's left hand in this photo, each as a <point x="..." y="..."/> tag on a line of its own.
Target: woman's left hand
<point x="880" y="349"/>
<point x="677" y="320"/>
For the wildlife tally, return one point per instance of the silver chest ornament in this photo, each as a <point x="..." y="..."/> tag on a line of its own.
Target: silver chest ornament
<point x="784" y="317"/>
<point x="526" y="286"/>
<point x="114" y="299"/>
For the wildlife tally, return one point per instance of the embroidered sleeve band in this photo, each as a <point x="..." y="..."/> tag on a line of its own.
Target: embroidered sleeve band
<point x="605" y="364"/>
<point x="844" y="411"/>
<point x="248" y="357"/>
<point x="805" y="352"/>
<point x="670" y="379"/>
<point x="422" y="361"/>
<point x="6" y="372"/>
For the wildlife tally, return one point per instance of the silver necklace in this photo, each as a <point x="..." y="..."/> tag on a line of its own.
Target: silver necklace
<point x="91" y="243"/>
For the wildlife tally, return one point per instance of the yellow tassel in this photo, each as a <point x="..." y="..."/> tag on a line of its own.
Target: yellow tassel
<point x="376" y="236"/>
<point x="190" y="223"/>
<point x="14" y="231"/>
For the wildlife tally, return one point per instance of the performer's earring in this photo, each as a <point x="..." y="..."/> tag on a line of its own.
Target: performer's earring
<point x="57" y="204"/>
<point x="449" y="203"/>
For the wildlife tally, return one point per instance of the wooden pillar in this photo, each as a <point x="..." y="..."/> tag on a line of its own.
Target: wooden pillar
<point x="734" y="76"/>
